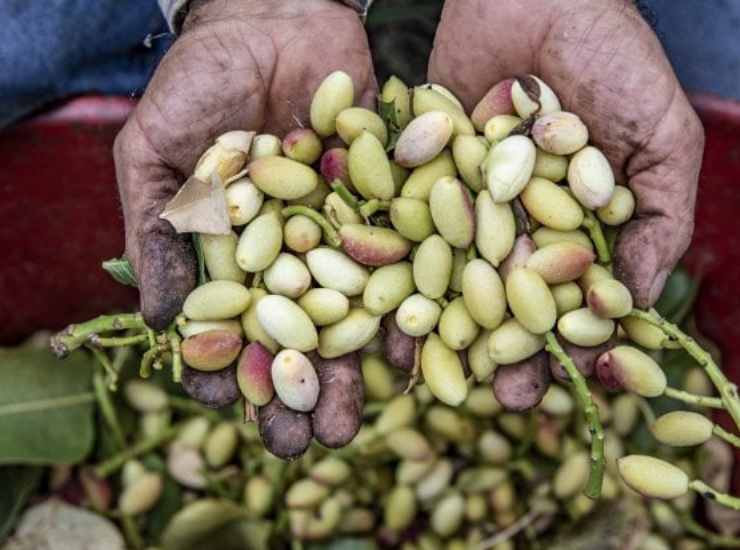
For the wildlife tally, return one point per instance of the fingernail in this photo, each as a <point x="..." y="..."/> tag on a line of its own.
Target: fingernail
<point x="658" y="284"/>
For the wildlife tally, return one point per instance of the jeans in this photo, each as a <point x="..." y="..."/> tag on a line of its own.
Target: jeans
<point x="52" y="49"/>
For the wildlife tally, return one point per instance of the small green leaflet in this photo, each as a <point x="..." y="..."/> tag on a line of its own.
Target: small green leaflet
<point x="121" y="270"/>
<point x="388" y="113"/>
<point x="202" y="275"/>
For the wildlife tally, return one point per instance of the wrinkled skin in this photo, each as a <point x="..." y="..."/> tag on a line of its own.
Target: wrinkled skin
<point x="605" y="64"/>
<point x="238" y="64"/>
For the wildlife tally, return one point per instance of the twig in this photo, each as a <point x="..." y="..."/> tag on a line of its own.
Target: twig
<point x="75" y="336"/>
<point x="714" y="539"/>
<point x="590" y="412"/>
<point x="708" y="492"/>
<point x="131" y="529"/>
<point x="174" y="341"/>
<point x="345" y="194"/>
<point x="104" y="361"/>
<point x="372" y="206"/>
<point x="593" y="226"/>
<point x="145" y="369"/>
<point x="694" y="399"/>
<point x="114" y="463"/>
<point x="122" y="341"/>
<point x="108" y="411"/>
<point x="414" y="378"/>
<point x="330" y="234"/>
<point x="727" y="390"/>
<point x="730" y="438"/>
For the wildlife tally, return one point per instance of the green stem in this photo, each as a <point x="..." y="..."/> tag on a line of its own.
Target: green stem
<point x="174" y="341"/>
<point x="592" y="225"/>
<point x="330" y="234"/>
<point x="345" y="194"/>
<point x="731" y="438"/>
<point x="131" y="530"/>
<point x="694" y="399"/>
<point x="145" y="369"/>
<point x="590" y="412"/>
<point x="104" y="361"/>
<point x="727" y="390"/>
<point x="190" y="406"/>
<point x="714" y="539"/>
<point x="108" y="411"/>
<point x="708" y="492"/>
<point x="123" y="341"/>
<point x="75" y="336"/>
<point x="114" y="463"/>
<point x="372" y="206"/>
<point x="472" y="253"/>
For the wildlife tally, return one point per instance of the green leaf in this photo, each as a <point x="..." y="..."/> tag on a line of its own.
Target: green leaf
<point x="121" y="270"/>
<point x="678" y="296"/>
<point x="202" y="275"/>
<point x="198" y="521"/>
<point x="18" y="483"/>
<point x="46" y="407"/>
<point x="387" y="111"/>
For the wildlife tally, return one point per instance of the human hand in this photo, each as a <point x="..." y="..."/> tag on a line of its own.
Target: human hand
<point x="238" y="64"/>
<point x="606" y="65"/>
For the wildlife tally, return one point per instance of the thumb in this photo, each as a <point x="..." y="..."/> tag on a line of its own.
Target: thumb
<point x="663" y="176"/>
<point x="163" y="259"/>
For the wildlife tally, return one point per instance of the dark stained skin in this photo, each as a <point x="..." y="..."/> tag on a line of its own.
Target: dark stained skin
<point x="238" y="64"/>
<point x="213" y="389"/>
<point x="521" y="386"/>
<point x="286" y="433"/>
<point x="583" y="358"/>
<point x="399" y="348"/>
<point x="605" y="64"/>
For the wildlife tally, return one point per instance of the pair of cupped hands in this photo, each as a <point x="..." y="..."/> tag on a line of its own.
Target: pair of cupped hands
<point x="254" y="64"/>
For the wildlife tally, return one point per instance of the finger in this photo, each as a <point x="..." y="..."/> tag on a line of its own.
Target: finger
<point x="663" y="176"/>
<point x="163" y="260"/>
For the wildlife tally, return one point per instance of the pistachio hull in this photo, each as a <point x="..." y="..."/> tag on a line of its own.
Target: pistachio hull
<point x="214" y="389"/>
<point x="411" y="218"/>
<point x="628" y="368"/>
<point x="219" y="253"/>
<point x="335" y="94"/>
<point x="497" y="101"/>
<point x="395" y="91"/>
<point x="287" y="276"/>
<point x="398" y="348"/>
<point x="285" y="433"/>
<point x="508" y="167"/>
<point x="387" y="287"/>
<point x="584" y="358"/>
<point x="211" y="350"/>
<point x="324" y="306"/>
<point x="334" y="269"/>
<point x="295" y="380"/>
<point x="283" y="178"/>
<point x="253" y="374"/>
<point x="652" y="477"/>
<point x="591" y="178"/>
<point x="369" y="168"/>
<point x="420" y="181"/>
<point x="350" y="334"/>
<point x="561" y="262"/>
<point x="682" y="428"/>
<point x="583" y="328"/>
<point x="374" y="246"/>
<point x="523" y="248"/>
<point x="302" y="145"/>
<point x="530" y="96"/>
<point x="495" y="228"/>
<point x="427" y="100"/>
<point x="452" y="211"/>
<point x="287" y="323"/>
<point x="433" y="267"/>
<point x="469" y="153"/>
<point x="216" y="301"/>
<point x="530" y="300"/>
<point x="260" y="243"/>
<point x="511" y="343"/>
<point x="521" y="386"/>
<point x="609" y="299"/>
<point x="457" y="329"/>
<point x="423" y="139"/>
<point x="483" y="293"/>
<point x="334" y="165"/>
<point x="560" y="133"/>
<point x="443" y="371"/>
<point x="243" y="201"/>
<point x="355" y="120"/>
<point x="301" y="234"/>
<point x="551" y="205"/>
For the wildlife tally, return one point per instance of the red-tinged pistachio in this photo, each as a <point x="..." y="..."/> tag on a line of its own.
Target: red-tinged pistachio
<point x="497" y="101"/>
<point x="374" y="246"/>
<point x="469" y="153"/>
<point x="582" y="328"/>
<point x="592" y="275"/>
<point x="409" y="444"/>
<point x="369" y="168"/>
<point x="286" y="433"/>
<point x="141" y="495"/>
<point x="387" y="287"/>
<point x="400" y="508"/>
<point x="265" y="145"/>
<point x="457" y="328"/>
<point x="551" y="205"/>
<point x="216" y="300"/>
<point x="521" y="386"/>
<point x="530" y="96"/>
<point x="508" y="167"/>
<point x="97" y="490"/>
<point x="549" y="166"/>
<point x="213" y="389"/>
<point x="283" y="178"/>
<point x="398" y="413"/>
<point x="398" y="347"/>
<point x="609" y="299"/>
<point x="479" y="361"/>
<point x="397" y="92"/>
<point x="221" y="445"/>
<point x="258" y="496"/>
<point x="287" y="323"/>
<point x="584" y="358"/>
<point x="619" y="209"/>
<point x="350" y="334"/>
<point x="423" y="139"/>
<point x="335" y="94"/>
<point x="324" y="306"/>
<point x="568" y="296"/>
<point x="355" y="120"/>
<point x="530" y="300"/>
<point x="287" y="276"/>
<point x="590" y="178"/>
<point x="682" y="428"/>
<point x="420" y="181"/>
<point x="295" y="380"/>
<point x="191" y="328"/>
<point x="560" y="262"/>
<point x="443" y="371"/>
<point x="377" y="377"/>
<point x="560" y="133"/>
<point x="433" y="267"/>
<point x="483" y="293"/>
<point x="511" y="343"/>
<point x="302" y="234"/>
<point x="652" y="477"/>
<point x="334" y="165"/>
<point x="336" y="209"/>
<point x="253" y="374"/>
<point x="448" y="515"/>
<point x="219" y="252"/>
<point x="452" y="211"/>
<point x="459" y="261"/>
<point x="315" y="199"/>
<point x="499" y="127"/>
<point x="495" y="228"/>
<point x="628" y="368"/>
<point x="260" y="243"/>
<point x="544" y="236"/>
<point x="572" y="475"/>
<point x="302" y="145"/>
<point x="243" y="201"/>
<point x="334" y="269"/>
<point x="211" y="350"/>
<point x="411" y="218"/>
<point x="337" y="416"/>
<point x="426" y="100"/>
<point x="523" y="248"/>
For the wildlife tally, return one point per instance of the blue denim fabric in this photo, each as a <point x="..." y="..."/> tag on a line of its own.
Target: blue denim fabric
<point x="51" y="49"/>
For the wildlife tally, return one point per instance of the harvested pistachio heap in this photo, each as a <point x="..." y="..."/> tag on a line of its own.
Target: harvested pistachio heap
<point x="464" y="260"/>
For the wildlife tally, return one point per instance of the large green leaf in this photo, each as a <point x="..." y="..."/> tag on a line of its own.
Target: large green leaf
<point x="46" y="407"/>
<point x="18" y="483"/>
